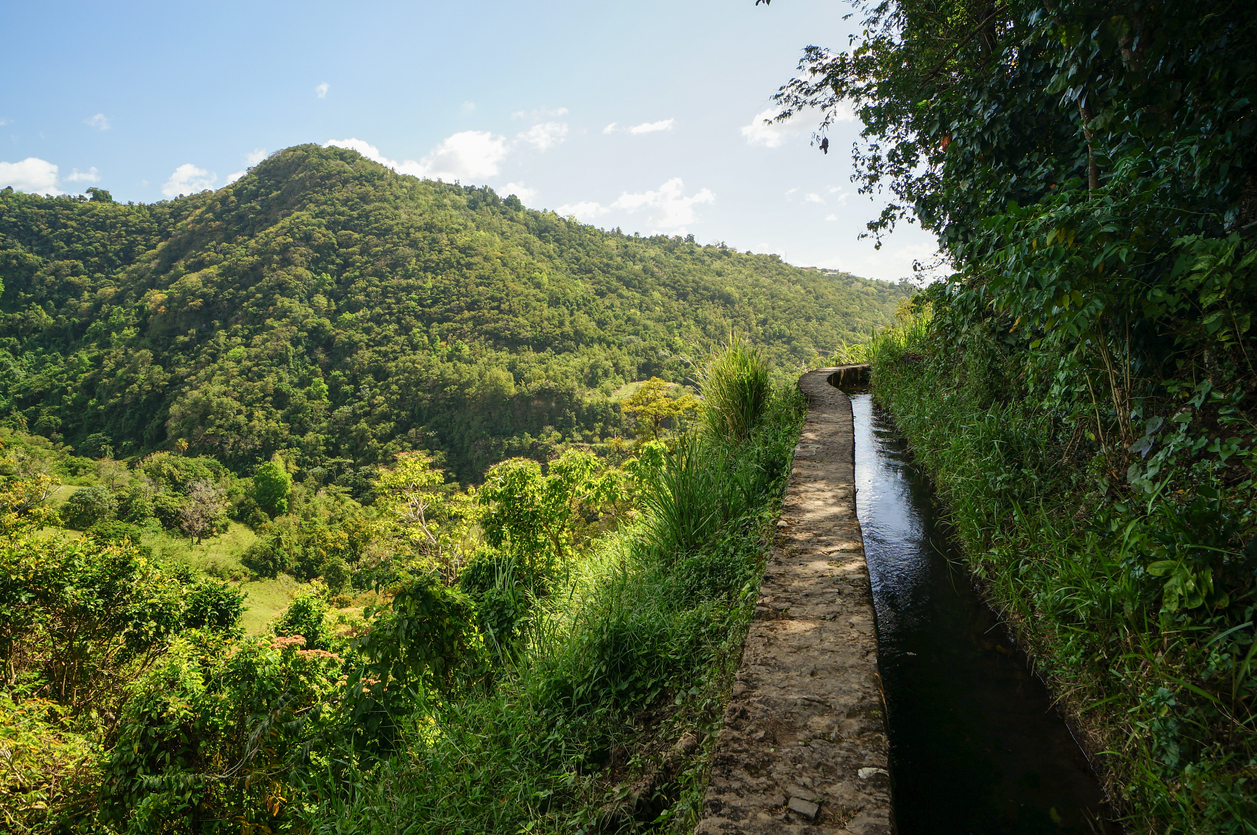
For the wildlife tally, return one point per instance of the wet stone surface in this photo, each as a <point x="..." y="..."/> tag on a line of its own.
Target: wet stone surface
<point x="804" y="748"/>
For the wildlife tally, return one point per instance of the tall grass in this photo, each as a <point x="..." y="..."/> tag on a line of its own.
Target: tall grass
<point x="736" y="386"/>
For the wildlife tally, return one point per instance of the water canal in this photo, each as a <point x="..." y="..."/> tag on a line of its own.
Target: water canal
<point x="975" y="744"/>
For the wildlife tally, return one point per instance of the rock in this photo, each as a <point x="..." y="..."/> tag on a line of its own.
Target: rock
<point x="870" y="773"/>
<point x="806" y="808"/>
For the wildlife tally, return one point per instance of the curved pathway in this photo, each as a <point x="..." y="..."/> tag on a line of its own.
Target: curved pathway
<point x="803" y="748"/>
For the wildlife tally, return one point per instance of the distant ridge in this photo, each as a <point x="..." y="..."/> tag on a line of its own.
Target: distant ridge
<point x="326" y="305"/>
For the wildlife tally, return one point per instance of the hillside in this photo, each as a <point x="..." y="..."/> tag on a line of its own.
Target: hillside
<point x="326" y="305"/>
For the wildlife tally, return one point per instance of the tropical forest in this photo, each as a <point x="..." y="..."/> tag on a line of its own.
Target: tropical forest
<point x="339" y="500"/>
<point x="310" y="481"/>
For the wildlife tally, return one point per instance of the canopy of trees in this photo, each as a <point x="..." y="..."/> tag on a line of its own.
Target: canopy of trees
<point x="326" y="305"/>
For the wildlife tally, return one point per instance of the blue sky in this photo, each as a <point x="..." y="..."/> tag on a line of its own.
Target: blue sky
<point x="641" y="115"/>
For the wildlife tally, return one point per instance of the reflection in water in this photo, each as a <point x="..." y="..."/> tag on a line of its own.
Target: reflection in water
<point x="975" y="744"/>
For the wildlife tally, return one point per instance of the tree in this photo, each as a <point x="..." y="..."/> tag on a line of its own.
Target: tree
<point x="87" y="506"/>
<point x="1085" y="168"/>
<point x="23" y="502"/>
<point x="204" y="511"/>
<point x="654" y="403"/>
<point x="414" y="510"/>
<point x="271" y="486"/>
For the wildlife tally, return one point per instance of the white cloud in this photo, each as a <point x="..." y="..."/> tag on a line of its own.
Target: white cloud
<point x="250" y="159"/>
<point x="322" y="89"/>
<point x="586" y="210"/>
<point x="775" y="134"/>
<point x="831" y="217"/>
<point x="669" y="207"/>
<point x="469" y="106"/>
<point x="470" y="155"/>
<point x="539" y="113"/>
<point x="652" y="127"/>
<point x="91" y="175"/>
<point x="813" y="197"/>
<point x="4" y="122"/>
<point x="99" y="121"/>
<point x="610" y="128"/>
<point x="543" y="136"/>
<point x="32" y="175"/>
<point x="188" y="179"/>
<point x="523" y="192"/>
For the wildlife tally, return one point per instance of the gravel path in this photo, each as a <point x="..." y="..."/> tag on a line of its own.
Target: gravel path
<point x="803" y="748"/>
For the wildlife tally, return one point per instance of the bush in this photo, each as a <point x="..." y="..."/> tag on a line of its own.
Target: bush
<point x="306" y="616"/>
<point x="135" y="504"/>
<point x="266" y="557"/>
<point x="502" y="591"/>
<point x="116" y="532"/>
<point x="213" y="605"/>
<point x="247" y="511"/>
<point x="87" y="506"/>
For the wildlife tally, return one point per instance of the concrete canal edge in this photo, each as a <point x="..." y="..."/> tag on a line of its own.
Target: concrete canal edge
<point x="803" y="748"/>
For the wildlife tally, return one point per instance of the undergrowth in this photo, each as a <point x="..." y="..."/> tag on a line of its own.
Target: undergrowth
<point x="1128" y="574"/>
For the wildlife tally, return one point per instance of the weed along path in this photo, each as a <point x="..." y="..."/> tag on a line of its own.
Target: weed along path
<point x="804" y="748"/>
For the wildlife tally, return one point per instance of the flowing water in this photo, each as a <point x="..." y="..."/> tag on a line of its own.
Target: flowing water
<point x="975" y="745"/>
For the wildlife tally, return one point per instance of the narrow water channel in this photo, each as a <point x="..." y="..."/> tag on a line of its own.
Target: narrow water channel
<point x="975" y="745"/>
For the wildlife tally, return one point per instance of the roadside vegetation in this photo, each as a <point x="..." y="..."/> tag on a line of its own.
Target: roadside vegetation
<point x="1128" y="573"/>
<point x="548" y="651"/>
<point x="1081" y="381"/>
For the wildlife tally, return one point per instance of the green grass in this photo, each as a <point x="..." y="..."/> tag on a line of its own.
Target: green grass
<point x="737" y="385"/>
<point x="265" y="600"/>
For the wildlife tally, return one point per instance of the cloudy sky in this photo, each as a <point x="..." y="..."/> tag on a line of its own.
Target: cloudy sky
<point x="644" y="115"/>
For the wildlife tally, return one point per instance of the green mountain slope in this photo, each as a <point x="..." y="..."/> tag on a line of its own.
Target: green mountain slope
<point x="327" y="305"/>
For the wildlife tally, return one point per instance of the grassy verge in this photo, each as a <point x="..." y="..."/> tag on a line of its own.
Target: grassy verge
<point x="1158" y="681"/>
<point x="607" y="719"/>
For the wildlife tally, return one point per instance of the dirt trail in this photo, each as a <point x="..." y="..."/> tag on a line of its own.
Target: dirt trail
<point x="803" y="748"/>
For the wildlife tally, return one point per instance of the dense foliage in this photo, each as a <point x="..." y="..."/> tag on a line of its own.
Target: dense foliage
<point x="551" y="649"/>
<point x="1085" y="388"/>
<point x="327" y="306"/>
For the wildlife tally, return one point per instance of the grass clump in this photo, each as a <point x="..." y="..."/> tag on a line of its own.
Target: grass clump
<point x="737" y="386"/>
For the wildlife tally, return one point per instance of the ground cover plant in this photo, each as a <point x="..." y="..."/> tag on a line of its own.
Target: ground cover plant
<point x="548" y="652"/>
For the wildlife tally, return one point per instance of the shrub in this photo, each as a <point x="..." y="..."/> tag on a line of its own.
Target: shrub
<point x="135" y="504"/>
<point x="88" y="506"/>
<point x="213" y="605"/>
<point x="271" y="487"/>
<point x="306" y="616"/>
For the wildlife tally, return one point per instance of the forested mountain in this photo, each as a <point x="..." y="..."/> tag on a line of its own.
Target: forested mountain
<point x="327" y="305"/>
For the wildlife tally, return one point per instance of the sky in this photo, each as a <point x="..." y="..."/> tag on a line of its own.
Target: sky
<point x="647" y="115"/>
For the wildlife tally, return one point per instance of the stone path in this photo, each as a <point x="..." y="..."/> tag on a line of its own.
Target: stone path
<point x="803" y="748"/>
